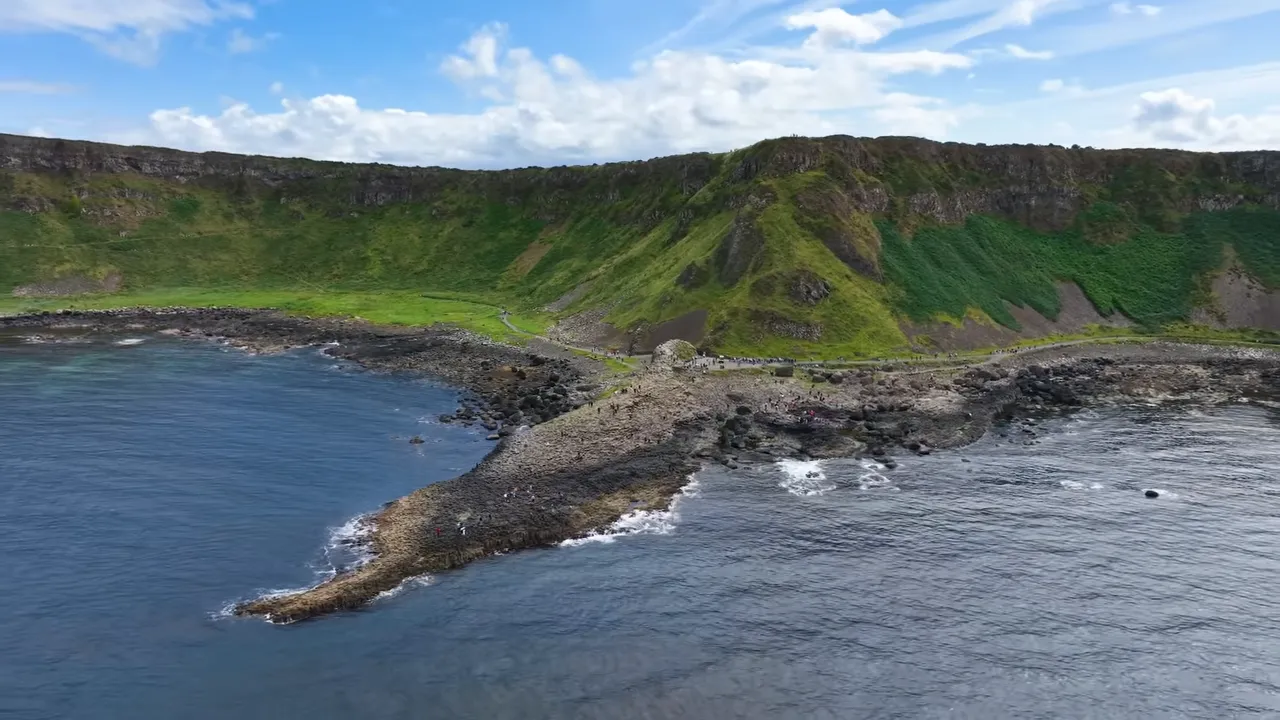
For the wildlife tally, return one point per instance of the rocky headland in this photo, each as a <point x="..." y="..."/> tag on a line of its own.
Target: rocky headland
<point x="576" y="451"/>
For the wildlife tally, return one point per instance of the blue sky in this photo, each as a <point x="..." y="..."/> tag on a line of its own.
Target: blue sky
<point x="499" y="83"/>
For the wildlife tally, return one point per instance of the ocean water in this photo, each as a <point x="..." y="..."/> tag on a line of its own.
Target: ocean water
<point x="145" y="486"/>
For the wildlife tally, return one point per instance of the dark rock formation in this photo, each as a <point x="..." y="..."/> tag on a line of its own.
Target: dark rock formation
<point x="694" y="276"/>
<point x="782" y="326"/>
<point x="740" y="249"/>
<point x="807" y="288"/>
<point x="1041" y="186"/>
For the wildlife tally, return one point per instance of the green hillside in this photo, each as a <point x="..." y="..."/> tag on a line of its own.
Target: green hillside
<point x="792" y="246"/>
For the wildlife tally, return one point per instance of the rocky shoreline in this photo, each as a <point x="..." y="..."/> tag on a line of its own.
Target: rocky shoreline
<point x="574" y="456"/>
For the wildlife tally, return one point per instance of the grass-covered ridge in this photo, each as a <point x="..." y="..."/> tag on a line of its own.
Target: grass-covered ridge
<point x="791" y="247"/>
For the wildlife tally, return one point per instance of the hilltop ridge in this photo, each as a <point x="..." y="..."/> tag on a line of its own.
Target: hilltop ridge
<point x="828" y="246"/>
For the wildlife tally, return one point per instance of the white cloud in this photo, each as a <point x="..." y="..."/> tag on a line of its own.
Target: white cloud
<point x="1125" y="8"/>
<point x="1191" y="15"/>
<point x="833" y="26"/>
<point x="240" y="42"/>
<point x="1105" y="117"/>
<point x="1013" y="13"/>
<point x="911" y="115"/>
<point x="921" y="61"/>
<point x="481" y="55"/>
<point x="1022" y="53"/>
<point x="947" y="10"/>
<point x="555" y="111"/>
<point x="130" y="30"/>
<point x="1177" y="117"/>
<point x="277" y="88"/>
<point x="552" y="110"/>
<point x="714" y="14"/>
<point x="30" y="87"/>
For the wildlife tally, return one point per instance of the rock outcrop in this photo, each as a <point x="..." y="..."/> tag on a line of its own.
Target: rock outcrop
<point x="1041" y="186"/>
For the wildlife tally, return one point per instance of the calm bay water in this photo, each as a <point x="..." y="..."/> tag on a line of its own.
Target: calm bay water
<point x="143" y="488"/>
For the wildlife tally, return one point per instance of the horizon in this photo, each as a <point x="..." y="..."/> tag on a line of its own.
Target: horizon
<point x="498" y="85"/>
<point x="625" y="161"/>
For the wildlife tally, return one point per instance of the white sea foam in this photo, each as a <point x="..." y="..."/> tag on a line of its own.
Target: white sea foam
<point x="225" y="612"/>
<point x="642" y="522"/>
<point x="1077" y="485"/>
<point x="346" y="549"/>
<point x="228" y="611"/>
<point x="418" y="581"/>
<point x="348" y="545"/>
<point x="54" y="340"/>
<point x="130" y="341"/>
<point x="804" y="478"/>
<point x="874" y="478"/>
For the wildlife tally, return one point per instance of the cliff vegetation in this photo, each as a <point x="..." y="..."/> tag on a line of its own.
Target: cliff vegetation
<point x="827" y="247"/>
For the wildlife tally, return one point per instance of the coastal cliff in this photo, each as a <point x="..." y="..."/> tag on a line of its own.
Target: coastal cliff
<point x="794" y="246"/>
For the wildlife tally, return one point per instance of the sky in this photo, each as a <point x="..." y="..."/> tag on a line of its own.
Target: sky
<point x="511" y="83"/>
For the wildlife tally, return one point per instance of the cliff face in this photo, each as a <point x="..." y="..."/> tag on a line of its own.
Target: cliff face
<point x="1045" y="186"/>
<point x="358" y="185"/>
<point x="853" y="214"/>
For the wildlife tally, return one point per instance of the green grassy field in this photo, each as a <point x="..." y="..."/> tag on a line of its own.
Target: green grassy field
<point x="384" y="307"/>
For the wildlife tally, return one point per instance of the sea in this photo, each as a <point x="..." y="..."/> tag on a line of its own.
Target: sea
<point x="147" y="484"/>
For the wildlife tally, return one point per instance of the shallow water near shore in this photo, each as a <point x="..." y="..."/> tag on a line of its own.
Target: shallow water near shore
<point x="145" y="486"/>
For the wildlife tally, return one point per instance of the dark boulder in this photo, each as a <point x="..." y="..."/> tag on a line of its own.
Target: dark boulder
<point x="807" y="288"/>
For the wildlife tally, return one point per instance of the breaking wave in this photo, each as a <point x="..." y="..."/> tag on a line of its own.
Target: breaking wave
<point x="407" y="583"/>
<point x="349" y="545"/>
<point x="804" y="478"/>
<point x="873" y="478"/>
<point x="1077" y="485"/>
<point x="642" y="522"/>
<point x="347" y="548"/>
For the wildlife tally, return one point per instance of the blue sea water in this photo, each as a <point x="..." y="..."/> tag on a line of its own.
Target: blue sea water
<point x="145" y="487"/>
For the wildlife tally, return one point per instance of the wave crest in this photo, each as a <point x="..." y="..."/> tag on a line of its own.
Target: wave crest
<point x="804" y="478"/>
<point x="642" y="522"/>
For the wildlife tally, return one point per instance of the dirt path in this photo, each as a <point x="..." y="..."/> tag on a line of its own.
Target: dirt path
<point x="504" y="316"/>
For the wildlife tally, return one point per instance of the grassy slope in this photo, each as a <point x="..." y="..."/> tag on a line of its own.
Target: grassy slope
<point x="388" y="307"/>
<point x="309" y="250"/>
<point x="1152" y="277"/>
